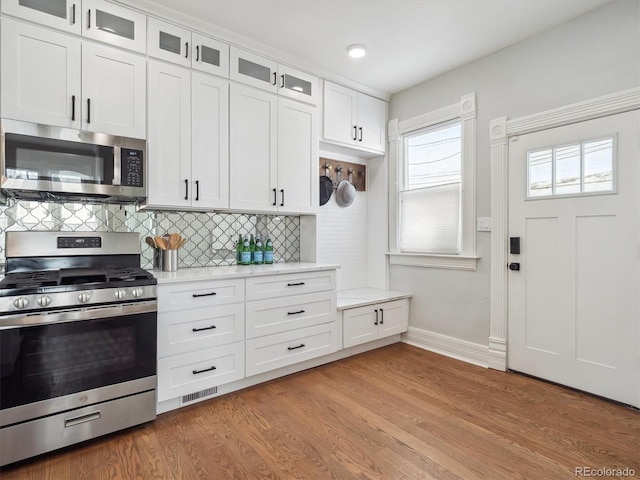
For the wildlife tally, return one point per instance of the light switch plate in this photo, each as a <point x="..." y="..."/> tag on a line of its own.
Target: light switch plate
<point x="484" y="224"/>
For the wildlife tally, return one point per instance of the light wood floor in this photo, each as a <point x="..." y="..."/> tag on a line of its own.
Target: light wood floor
<point x="395" y="413"/>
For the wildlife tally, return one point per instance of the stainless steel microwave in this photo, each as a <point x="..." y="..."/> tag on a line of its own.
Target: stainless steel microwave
<point x="42" y="162"/>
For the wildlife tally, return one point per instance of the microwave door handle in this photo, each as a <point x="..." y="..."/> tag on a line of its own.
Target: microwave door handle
<point x="117" y="165"/>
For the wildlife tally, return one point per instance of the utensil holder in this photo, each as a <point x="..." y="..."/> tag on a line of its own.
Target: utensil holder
<point x="169" y="260"/>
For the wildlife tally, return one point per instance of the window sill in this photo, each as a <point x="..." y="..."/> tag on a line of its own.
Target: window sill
<point x="423" y="260"/>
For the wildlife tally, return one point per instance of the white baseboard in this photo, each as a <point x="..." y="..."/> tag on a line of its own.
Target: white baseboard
<point x="449" y="346"/>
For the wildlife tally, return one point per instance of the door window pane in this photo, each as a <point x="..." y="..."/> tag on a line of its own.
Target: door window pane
<point x="567" y="169"/>
<point x="170" y="43"/>
<point x="540" y="173"/>
<point x="210" y="55"/>
<point x="114" y="24"/>
<point x="598" y="165"/>
<point x="254" y="70"/>
<point x="57" y="8"/>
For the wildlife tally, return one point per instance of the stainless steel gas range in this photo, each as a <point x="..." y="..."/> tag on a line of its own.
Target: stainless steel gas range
<point x="77" y="340"/>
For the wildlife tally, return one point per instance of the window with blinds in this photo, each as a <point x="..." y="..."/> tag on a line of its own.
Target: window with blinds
<point x="430" y="196"/>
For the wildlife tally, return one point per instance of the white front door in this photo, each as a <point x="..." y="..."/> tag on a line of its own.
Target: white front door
<point x="574" y="311"/>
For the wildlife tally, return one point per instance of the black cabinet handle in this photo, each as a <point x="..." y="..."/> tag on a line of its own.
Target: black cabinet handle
<point x="295" y="313"/>
<point x="282" y="193"/>
<point x="355" y="132"/>
<point x="73" y="108"/>
<point x="186" y="49"/>
<point x="275" y="76"/>
<point x="381" y="316"/>
<point x="88" y="110"/>
<point x="186" y="189"/>
<point x="203" y="328"/>
<point x="196" y="372"/>
<point x="296" y="347"/>
<point x="73" y="14"/>
<point x="275" y="197"/>
<point x="294" y="284"/>
<point x="197" y="190"/>
<point x="360" y="139"/>
<point x="281" y="81"/>
<point x="198" y="295"/>
<point x="88" y="19"/>
<point x="197" y="53"/>
<point x="376" y="322"/>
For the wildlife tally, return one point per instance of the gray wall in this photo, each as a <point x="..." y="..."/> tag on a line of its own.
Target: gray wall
<point x="592" y="55"/>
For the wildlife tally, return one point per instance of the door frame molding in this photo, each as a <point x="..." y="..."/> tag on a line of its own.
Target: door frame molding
<point x="501" y="130"/>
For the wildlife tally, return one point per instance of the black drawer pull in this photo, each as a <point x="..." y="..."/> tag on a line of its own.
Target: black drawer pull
<point x="381" y="316"/>
<point x="296" y="347"/>
<point x="203" y="328"/>
<point x="196" y="372"/>
<point x="294" y="284"/>
<point x="376" y="322"/>
<point x="210" y="294"/>
<point x="295" y="313"/>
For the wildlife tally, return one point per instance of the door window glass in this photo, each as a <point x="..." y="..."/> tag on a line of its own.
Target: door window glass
<point x="170" y="43"/>
<point x="114" y="24"/>
<point x="254" y="70"/>
<point x="57" y="8"/>
<point x="297" y="84"/>
<point x="210" y="55"/>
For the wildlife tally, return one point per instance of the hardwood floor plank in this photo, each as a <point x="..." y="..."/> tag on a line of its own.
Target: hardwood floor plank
<point x="398" y="413"/>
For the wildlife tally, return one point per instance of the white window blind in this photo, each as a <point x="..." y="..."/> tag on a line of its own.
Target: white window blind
<point x="431" y="219"/>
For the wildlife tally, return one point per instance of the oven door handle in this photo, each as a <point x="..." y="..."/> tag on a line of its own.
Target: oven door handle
<point x="77" y="314"/>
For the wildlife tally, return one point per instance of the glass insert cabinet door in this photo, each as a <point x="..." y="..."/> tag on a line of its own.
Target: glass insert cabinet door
<point x="59" y="14"/>
<point x="115" y="25"/>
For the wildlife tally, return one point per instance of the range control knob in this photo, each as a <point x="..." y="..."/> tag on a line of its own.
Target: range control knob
<point x="21" y="302"/>
<point x="137" y="292"/>
<point x="44" y="300"/>
<point x="84" y="297"/>
<point x="120" y="293"/>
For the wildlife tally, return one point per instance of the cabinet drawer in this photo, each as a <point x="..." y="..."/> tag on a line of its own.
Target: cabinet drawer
<point x="365" y="324"/>
<point x="283" y="314"/>
<point x="198" y="328"/>
<point x="272" y="286"/>
<point x="182" y="296"/>
<point x="282" y="349"/>
<point x="191" y="372"/>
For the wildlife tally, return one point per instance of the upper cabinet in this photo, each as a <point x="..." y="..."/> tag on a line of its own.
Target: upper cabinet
<point x="87" y="86"/>
<point x="60" y="14"/>
<point x="114" y="25"/>
<point x="183" y="47"/>
<point x="354" y="119"/>
<point x="95" y="19"/>
<point x="261" y="72"/>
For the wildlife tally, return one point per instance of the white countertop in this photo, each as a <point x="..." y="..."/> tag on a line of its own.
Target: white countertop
<point x="359" y="297"/>
<point x="238" y="271"/>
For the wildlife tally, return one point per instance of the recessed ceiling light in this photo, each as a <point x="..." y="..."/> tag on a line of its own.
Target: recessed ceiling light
<point x="357" y="51"/>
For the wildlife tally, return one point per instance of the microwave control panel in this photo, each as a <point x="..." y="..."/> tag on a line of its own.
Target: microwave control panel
<point x="131" y="163"/>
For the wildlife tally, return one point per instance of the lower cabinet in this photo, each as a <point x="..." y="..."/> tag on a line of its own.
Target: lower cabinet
<point x="365" y="324"/>
<point x="191" y="372"/>
<point x="283" y="349"/>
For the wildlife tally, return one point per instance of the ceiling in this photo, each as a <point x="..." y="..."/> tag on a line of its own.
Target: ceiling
<point x="408" y="41"/>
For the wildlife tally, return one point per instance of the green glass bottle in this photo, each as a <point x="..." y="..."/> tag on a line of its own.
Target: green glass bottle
<point x="246" y="251"/>
<point x="268" y="250"/>
<point x="252" y="245"/>
<point x="239" y="250"/>
<point x="258" y="254"/>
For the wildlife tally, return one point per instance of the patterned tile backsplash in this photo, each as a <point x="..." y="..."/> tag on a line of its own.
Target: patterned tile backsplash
<point x="211" y="236"/>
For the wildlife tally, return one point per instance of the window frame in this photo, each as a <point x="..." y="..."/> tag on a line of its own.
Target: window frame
<point x="465" y="112"/>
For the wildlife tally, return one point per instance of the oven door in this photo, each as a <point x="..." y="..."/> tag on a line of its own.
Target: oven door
<point x="66" y="359"/>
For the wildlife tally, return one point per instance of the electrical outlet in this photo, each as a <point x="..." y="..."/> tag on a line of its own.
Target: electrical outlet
<point x="484" y="224"/>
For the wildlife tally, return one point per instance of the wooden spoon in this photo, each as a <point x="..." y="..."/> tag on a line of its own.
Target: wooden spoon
<point x="174" y="240"/>
<point x="150" y="242"/>
<point x="161" y="243"/>
<point x="182" y="242"/>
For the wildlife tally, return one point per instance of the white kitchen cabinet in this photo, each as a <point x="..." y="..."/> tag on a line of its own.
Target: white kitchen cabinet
<point x="59" y="14"/>
<point x="188" y="145"/>
<point x="28" y="94"/>
<point x="354" y="119"/>
<point x="87" y="85"/>
<point x="179" y="45"/>
<point x="261" y="72"/>
<point x="114" y="25"/>
<point x="371" y="322"/>
<point x="113" y="91"/>
<point x="272" y="152"/>
<point x="289" y="319"/>
<point x="200" y="336"/>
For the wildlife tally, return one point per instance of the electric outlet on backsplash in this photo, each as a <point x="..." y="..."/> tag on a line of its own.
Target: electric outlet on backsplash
<point x="211" y="236"/>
